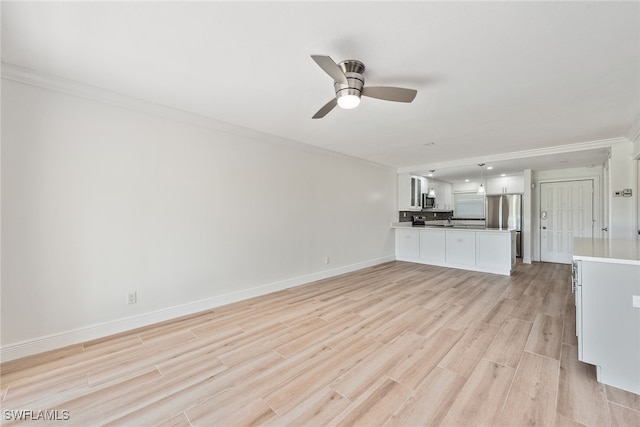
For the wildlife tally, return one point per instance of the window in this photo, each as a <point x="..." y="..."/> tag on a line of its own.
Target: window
<point x="468" y="205"/>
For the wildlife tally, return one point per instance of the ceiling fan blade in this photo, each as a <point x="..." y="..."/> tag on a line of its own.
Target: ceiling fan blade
<point x="396" y="94"/>
<point x="325" y="109"/>
<point x="331" y="68"/>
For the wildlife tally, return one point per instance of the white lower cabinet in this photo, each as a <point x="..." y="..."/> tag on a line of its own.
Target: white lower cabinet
<point x="608" y="321"/>
<point x="493" y="250"/>
<point x="461" y="248"/>
<point x="479" y="250"/>
<point x="432" y="246"/>
<point x="407" y="244"/>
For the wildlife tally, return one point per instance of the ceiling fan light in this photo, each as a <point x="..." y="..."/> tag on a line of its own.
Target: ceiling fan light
<point x="348" y="101"/>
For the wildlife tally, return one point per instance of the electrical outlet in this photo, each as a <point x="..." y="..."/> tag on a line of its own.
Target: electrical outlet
<point x="326" y="260"/>
<point x="132" y="297"/>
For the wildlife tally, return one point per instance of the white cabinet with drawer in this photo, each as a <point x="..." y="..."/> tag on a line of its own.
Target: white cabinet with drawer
<point x="606" y="281"/>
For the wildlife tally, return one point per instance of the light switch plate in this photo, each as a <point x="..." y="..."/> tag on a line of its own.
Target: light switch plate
<point x="636" y="301"/>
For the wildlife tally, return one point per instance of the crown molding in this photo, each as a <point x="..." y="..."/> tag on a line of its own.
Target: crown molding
<point x="636" y="148"/>
<point x="634" y="130"/>
<point x="94" y="93"/>
<point x="636" y="137"/>
<point x="558" y="149"/>
<point x="70" y="87"/>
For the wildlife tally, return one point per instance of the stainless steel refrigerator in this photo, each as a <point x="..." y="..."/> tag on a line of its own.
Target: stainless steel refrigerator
<point x="505" y="211"/>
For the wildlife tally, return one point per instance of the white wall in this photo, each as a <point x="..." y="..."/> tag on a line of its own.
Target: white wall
<point x="99" y="200"/>
<point x="622" y="210"/>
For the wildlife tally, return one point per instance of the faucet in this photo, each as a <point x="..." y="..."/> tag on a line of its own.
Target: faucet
<point x="449" y="219"/>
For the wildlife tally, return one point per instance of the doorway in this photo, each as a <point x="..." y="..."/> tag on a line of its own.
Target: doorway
<point x="566" y="211"/>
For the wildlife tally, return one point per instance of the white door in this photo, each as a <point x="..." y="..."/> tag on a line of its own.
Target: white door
<point x="566" y="211"/>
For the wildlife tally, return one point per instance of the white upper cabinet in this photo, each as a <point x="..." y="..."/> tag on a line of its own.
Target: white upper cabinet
<point x="410" y="189"/>
<point x="444" y="194"/>
<point x="506" y="184"/>
<point x="447" y="196"/>
<point x="466" y="187"/>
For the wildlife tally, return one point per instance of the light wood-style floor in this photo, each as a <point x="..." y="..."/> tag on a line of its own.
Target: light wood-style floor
<point x="398" y="344"/>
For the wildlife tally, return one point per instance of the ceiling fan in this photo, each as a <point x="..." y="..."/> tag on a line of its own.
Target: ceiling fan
<point x="349" y="86"/>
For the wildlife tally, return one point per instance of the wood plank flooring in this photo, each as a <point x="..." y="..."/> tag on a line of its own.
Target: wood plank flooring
<point x="398" y="344"/>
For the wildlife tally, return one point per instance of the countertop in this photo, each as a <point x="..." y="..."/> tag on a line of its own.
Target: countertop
<point x="622" y="251"/>
<point x="445" y="227"/>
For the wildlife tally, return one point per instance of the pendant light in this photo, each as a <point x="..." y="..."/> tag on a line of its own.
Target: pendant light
<point x="432" y="192"/>
<point x="481" y="189"/>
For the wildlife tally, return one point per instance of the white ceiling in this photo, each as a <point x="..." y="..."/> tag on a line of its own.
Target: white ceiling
<point x="492" y="77"/>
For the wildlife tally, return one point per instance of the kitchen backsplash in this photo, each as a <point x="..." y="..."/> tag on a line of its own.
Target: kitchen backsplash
<point x="431" y="216"/>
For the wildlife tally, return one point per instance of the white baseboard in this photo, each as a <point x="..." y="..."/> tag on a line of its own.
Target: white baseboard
<point x="77" y="336"/>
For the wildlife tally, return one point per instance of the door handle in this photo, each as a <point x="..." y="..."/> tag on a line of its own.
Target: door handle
<point x="605" y="229"/>
<point x="544" y="228"/>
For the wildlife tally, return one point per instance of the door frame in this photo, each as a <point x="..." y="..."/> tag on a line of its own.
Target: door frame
<point x="637" y="196"/>
<point x="597" y="209"/>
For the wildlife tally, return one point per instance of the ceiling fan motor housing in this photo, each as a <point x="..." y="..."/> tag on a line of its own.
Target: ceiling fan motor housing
<point x="353" y="70"/>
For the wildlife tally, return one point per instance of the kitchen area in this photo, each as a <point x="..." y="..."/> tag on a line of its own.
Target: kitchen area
<point x="478" y="226"/>
<point x="606" y="287"/>
<point x="468" y="224"/>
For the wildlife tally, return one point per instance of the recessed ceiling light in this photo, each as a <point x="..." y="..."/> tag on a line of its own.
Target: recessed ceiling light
<point x="466" y="180"/>
<point x="503" y="174"/>
<point x="489" y="167"/>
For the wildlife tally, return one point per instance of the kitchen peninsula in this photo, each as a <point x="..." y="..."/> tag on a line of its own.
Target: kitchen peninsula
<point x="489" y="250"/>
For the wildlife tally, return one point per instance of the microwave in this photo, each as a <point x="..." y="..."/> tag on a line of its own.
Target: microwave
<point x="428" y="202"/>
